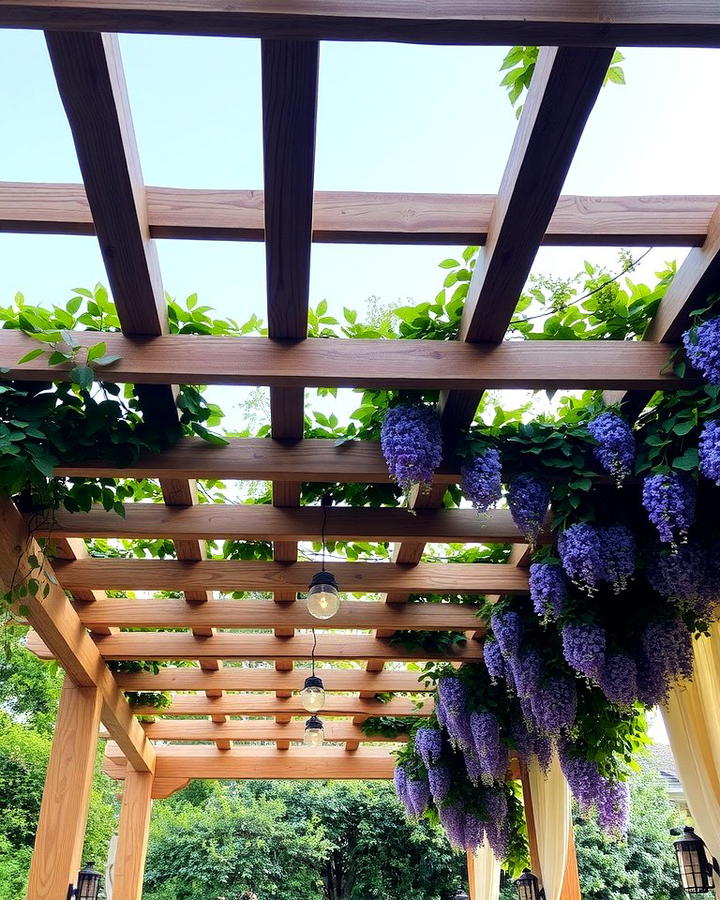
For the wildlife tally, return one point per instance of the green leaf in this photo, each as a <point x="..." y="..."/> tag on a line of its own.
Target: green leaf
<point x="96" y="351"/>
<point x="29" y="357"/>
<point x="107" y="360"/>
<point x="83" y="377"/>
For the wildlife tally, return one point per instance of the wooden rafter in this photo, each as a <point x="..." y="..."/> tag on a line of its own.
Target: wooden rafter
<point x="368" y="218"/>
<point x="339" y="362"/>
<point x="190" y="731"/>
<point x="656" y="23"/>
<point x="254" y="705"/>
<point x="246" y="647"/>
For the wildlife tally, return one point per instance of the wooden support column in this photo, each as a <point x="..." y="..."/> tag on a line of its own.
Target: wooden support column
<point x="571" y="882"/>
<point x="133" y="835"/>
<point x="63" y="814"/>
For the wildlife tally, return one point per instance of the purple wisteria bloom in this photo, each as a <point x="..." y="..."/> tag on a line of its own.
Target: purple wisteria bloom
<point x="554" y="705"/>
<point x="452" y="697"/>
<point x="401" y="789"/>
<point x="492" y="753"/>
<point x="494" y="660"/>
<point x="581" y="555"/>
<point x="613" y="808"/>
<point x="418" y="794"/>
<point x="411" y="441"/>
<point x="474" y="767"/>
<point x="428" y="746"/>
<point x="652" y="680"/>
<point x="507" y="628"/>
<point x="616" y="444"/>
<point x="482" y="480"/>
<point x="617" y="551"/>
<point x="452" y="819"/>
<point x="528" y="499"/>
<point x="709" y="451"/>
<point x="526" y="669"/>
<point x="440" y="780"/>
<point x="584" y="648"/>
<point x="702" y="346"/>
<point x="670" y="504"/>
<point x="548" y="590"/>
<point x="670" y="645"/>
<point x="498" y="837"/>
<point x="474" y="831"/>
<point x="618" y="679"/>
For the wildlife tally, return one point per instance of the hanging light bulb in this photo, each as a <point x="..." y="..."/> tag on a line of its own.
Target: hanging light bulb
<point x="312" y="696"/>
<point x="323" y="597"/>
<point x="314" y="732"/>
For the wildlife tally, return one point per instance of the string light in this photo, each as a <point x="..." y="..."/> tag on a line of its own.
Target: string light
<point x="323" y="599"/>
<point x="312" y="695"/>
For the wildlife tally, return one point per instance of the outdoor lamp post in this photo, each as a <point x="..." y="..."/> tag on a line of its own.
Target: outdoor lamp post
<point x="696" y="870"/>
<point x="314" y="732"/>
<point x="88" y="885"/>
<point x="528" y="887"/>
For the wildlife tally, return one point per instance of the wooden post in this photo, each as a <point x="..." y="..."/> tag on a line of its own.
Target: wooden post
<point x="63" y="814"/>
<point x="571" y="881"/>
<point x="133" y="835"/>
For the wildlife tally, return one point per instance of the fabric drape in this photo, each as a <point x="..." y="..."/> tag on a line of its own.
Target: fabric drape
<point x="483" y="874"/>
<point x="553" y="820"/>
<point x="692" y="720"/>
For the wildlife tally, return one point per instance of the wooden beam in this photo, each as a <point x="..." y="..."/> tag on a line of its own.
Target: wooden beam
<point x="696" y="23"/>
<point x="58" y="625"/>
<point x="339" y="362"/>
<point x="66" y="795"/>
<point x="133" y="833"/>
<point x="571" y="881"/>
<point x="243" y="678"/>
<point x="234" y="730"/>
<point x="370" y="763"/>
<point x="246" y="647"/>
<point x="254" y="614"/>
<point x="255" y="705"/>
<point x="88" y="70"/>
<point x="241" y="575"/>
<point x="218" y="521"/>
<point x="368" y="218"/>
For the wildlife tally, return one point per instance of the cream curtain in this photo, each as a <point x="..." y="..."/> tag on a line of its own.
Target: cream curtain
<point x="553" y="820"/>
<point x="692" y="719"/>
<point x="483" y="874"/>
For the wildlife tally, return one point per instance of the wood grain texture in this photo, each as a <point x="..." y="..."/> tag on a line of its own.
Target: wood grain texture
<point x="88" y="71"/>
<point x="254" y="614"/>
<point x="241" y="575"/>
<point x="182" y="762"/>
<point x="58" y="625"/>
<point x="695" y="23"/>
<point x="246" y="647"/>
<point x="339" y="362"/>
<point x="66" y="795"/>
<point x="218" y="521"/>
<point x="234" y="730"/>
<point x="245" y="705"/>
<point x="237" y="678"/>
<point x="133" y="832"/>
<point x="571" y="881"/>
<point x="368" y="218"/>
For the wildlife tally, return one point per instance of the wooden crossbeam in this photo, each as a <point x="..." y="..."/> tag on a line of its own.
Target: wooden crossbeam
<point x="190" y="731"/>
<point x="338" y="362"/>
<point x="241" y="575"/>
<point x="58" y="626"/>
<point x="694" y="23"/>
<point x="218" y="521"/>
<point x="368" y="218"/>
<point x="246" y="647"/>
<point x="183" y="762"/>
<point x="253" y="614"/>
<point x="254" y="705"/>
<point x="244" y="678"/>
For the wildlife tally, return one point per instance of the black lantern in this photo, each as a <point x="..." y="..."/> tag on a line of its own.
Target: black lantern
<point x="528" y="887"/>
<point x="88" y="885"/>
<point x="696" y="870"/>
<point x="314" y="732"/>
<point x="461" y="895"/>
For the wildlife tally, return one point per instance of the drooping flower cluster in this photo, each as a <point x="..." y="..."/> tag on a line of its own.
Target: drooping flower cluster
<point x="611" y="799"/>
<point x="428" y="745"/>
<point x="616" y="445"/>
<point x="554" y="704"/>
<point x="665" y="656"/>
<point x="702" y="346"/>
<point x="670" y="504"/>
<point x="528" y="499"/>
<point x="494" y="660"/>
<point x="618" y="679"/>
<point x="581" y="555"/>
<point x="482" y="480"/>
<point x="584" y="647"/>
<point x="411" y="441"/>
<point x="709" y="450"/>
<point x="492" y="754"/>
<point x="689" y="576"/>
<point x="507" y="628"/>
<point x="548" y="590"/>
<point x="617" y="552"/>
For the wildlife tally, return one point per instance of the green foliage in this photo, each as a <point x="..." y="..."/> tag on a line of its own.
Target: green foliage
<point x="387" y="726"/>
<point x="519" y="66"/>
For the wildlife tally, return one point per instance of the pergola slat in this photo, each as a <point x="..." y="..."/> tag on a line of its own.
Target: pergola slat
<point x="261" y="678"/>
<point x="252" y="705"/>
<point x="339" y="362"/>
<point x="656" y="23"/>
<point x="246" y="647"/>
<point x="368" y="218"/>
<point x="251" y="614"/>
<point x="256" y="731"/>
<point x="218" y="521"/>
<point x="236" y="575"/>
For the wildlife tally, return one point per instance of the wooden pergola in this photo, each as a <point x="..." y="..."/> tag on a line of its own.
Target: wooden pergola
<point x="77" y="623"/>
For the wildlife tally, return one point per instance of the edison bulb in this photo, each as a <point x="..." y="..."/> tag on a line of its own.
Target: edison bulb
<point x="323" y="598"/>
<point x="312" y="695"/>
<point x="314" y="732"/>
